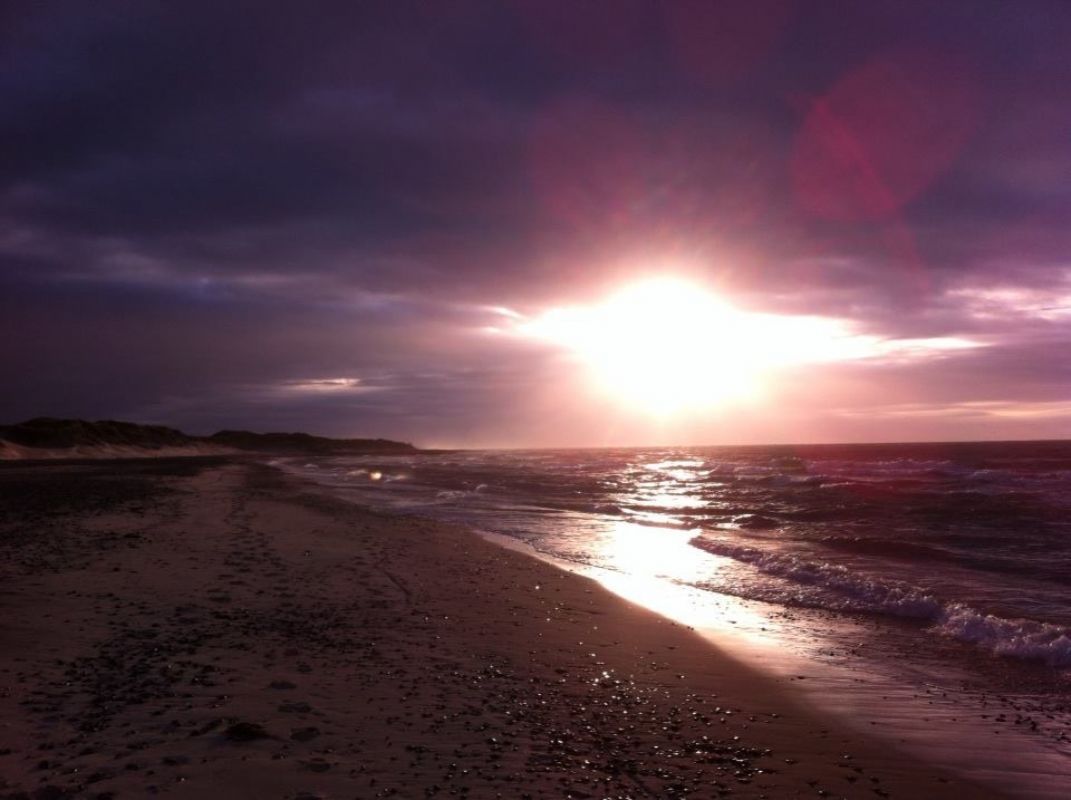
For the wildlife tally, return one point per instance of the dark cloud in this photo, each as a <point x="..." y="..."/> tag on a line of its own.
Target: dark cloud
<point x="204" y="204"/>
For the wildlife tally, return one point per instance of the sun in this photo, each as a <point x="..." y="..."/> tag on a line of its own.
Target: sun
<point x="669" y="346"/>
<point x="662" y="345"/>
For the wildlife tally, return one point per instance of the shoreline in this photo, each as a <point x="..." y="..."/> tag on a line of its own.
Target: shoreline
<point x="215" y="629"/>
<point x="934" y="722"/>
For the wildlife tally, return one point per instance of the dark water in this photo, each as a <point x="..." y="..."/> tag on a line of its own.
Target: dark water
<point x="973" y="541"/>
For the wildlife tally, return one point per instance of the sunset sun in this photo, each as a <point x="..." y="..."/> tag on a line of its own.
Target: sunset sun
<point x="668" y="346"/>
<point x="662" y="346"/>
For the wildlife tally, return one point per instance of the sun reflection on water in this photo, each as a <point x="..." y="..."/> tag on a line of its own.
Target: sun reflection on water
<point x="649" y="560"/>
<point x="641" y="550"/>
<point x="659" y="569"/>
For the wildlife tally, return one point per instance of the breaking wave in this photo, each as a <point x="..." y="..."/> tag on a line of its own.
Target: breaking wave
<point x="841" y="589"/>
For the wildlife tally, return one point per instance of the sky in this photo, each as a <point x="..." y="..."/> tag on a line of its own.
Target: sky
<point x="371" y="219"/>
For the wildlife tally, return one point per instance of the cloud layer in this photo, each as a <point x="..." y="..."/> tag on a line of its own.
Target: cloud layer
<point x="278" y="215"/>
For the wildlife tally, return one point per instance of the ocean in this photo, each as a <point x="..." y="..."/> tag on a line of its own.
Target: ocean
<point x="936" y="571"/>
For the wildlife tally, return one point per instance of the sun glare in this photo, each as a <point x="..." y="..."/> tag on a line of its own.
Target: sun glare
<point x="660" y="345"/>
<point x="666" y="346"/>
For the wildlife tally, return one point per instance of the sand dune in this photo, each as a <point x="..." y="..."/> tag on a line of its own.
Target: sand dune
<point x="49" y="438"/>
<point x="9" y="451"/>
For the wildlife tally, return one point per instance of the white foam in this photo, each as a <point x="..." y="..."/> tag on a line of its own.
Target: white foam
<point x="848" y="590"/>
<point x="1029" y="639"/>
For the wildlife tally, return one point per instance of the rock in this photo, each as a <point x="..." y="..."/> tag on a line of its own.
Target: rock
<point x="246" y="732"/>
<point x="295" y="708"/>
<point x="304" y="734"/>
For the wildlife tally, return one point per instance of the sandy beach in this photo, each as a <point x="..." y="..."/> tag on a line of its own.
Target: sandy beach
<point x="212" y="628"/>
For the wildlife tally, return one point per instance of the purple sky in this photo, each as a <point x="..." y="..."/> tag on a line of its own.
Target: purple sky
<point x="307" y="215"/>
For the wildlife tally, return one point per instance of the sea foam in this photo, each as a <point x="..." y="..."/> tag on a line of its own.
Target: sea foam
<point x="846" y="590"/>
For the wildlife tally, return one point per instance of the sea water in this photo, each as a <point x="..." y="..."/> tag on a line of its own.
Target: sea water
<point x="938" y="575"/>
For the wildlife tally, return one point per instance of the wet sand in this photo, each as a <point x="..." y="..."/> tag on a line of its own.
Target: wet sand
<point x="209" y="628"/>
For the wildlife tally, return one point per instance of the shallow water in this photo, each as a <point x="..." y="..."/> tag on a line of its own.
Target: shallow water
<point x="942" y="571"/>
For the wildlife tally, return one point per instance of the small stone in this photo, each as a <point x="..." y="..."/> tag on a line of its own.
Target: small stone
<point x="295" y="708"/>
<point x="245" y="732"/>
<point x="304" y="734"/>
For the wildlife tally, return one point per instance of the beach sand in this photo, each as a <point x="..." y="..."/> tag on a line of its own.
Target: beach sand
<point x="211" y="628"/>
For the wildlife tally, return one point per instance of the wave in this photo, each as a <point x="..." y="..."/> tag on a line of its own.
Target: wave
<point x="755" y="522"/>
<point x="901" y="550"/>
<point x="1019" y="638"/>
<point x="852" y="591"/>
